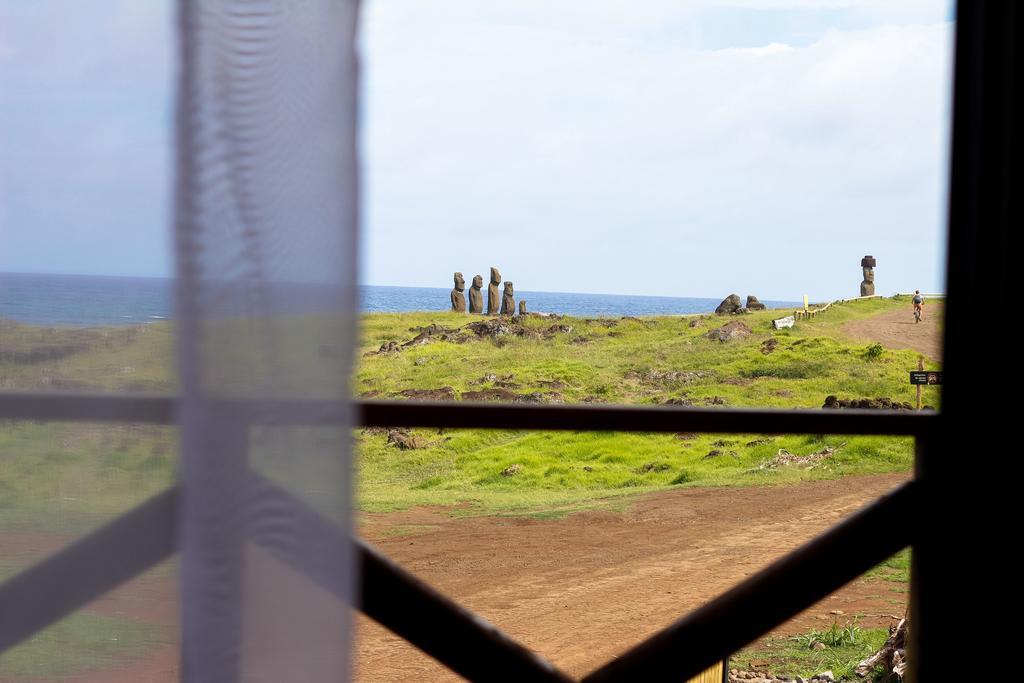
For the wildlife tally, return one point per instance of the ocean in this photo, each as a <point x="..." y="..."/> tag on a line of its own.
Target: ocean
<point x="90" y="301"/>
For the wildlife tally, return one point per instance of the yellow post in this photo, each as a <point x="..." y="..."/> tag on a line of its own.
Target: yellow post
<point x="713" y="675"/>
<point x="805" y="302"/>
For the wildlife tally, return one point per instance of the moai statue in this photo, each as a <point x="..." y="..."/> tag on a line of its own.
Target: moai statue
<point x="458" y="298"/>
<point x="476" y="296"/>
<point x="493" y="300"/>
<point x="522" y="307"/>
<point x="867" y="287"/>
<point x="508" y="300"/>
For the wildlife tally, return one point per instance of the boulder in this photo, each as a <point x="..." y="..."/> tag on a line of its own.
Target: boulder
<point x="753" y="304"/>
<point x="730" y="331"/>
<point x="729" y="305"/>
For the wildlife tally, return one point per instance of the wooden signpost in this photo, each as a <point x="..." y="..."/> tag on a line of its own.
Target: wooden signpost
<point x="921" y="378"/>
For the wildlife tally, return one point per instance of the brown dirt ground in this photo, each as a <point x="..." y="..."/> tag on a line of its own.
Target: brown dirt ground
<point x="579" y="589"/>
<point x="897" y="329"/>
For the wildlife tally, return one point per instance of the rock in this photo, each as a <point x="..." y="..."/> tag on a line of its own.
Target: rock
<point x="404" y="440"/>
<point x="753" y="304"/>
<point x="511" y="470"/>
<point x="476" y="295"/>
<point x="697" y="322"/>
<point x="712" y="454"/>
<point x="508" y="300"/>
<point x="458" y="298"/>
<point x="522" y="307"/>
<point x="493" y="300"/>
<point x="788" y="321"/>
<point x="818" y="645"/>
<point x="826" y="676"/>
<point x="730" y="331"/>
<point x="495" y="394"/>
<point x="769" y="345"/>
<point x="441" y="394"/>
<point x="491" y="328"/>
<point x="729" y="305"/>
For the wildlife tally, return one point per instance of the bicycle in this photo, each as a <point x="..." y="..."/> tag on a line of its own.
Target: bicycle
<point x="917" y="313"/>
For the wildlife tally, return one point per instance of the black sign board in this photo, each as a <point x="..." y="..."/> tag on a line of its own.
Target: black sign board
<point x="925" y="377"/>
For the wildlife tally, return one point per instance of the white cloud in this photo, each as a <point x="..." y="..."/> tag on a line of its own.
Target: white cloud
<point x="606" y="161"/>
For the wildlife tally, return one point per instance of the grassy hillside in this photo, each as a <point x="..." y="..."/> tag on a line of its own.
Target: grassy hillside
<point x="75" y="475"/>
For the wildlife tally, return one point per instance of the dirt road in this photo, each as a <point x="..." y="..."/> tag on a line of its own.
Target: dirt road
<point x="581" y="589"/>
<point x="578" y="589"/>
<point x="897" y="329"/>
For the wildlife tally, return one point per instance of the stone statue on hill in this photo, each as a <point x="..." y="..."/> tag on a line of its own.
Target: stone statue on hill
<point x="867" y="286"/>
<point x="458" y="298"/>
<point x="476" y="296"/>
<point x="493" y="300"/>
<point x="508" y="300"/>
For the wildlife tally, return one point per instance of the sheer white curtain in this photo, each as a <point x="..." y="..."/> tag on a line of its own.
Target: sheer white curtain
<point x="265" y="237"/>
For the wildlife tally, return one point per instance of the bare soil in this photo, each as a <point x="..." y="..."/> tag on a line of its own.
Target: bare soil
<point x="897" y="329"/>
<point x="581" y="589"/>
<point x="578" y="590"/>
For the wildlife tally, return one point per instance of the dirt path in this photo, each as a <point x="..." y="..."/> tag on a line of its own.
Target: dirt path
<point x="582" y="589"/>
<point x="897" y="329"/>
<point x="579" y="589"/>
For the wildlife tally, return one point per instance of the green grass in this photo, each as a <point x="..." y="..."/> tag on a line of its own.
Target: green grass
<point x="846" y="645"/>
<point x="66" y="476"/>
<point x="76" y="644"/>
<point x="606" y="361"/>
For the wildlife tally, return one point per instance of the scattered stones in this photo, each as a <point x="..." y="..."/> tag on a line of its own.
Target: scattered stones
<point x="506" y="384"/>
<point x="784" y="457"/>
<point x="404" y="440"/>
<point x="769" y="345"/>
<point x="441" y="394"/>
<point x="476" y="295"/>
<point x="491" y="328"/>
<point x="653" y="467"/>
<point x="557" y="329"/>
<point x="550" y="383"/>
<point x="511" y="470"/>
<point x="758" y="442"/>
<point x="493" y="300"/>
<point x="723" y="442"/>
<point x="508" y="300"/>
<point x="753" y="304"/>
<point x="458" y="297"/>
<point x="678" y="402"/>
<point x="687" y="436"/>
<point x="716" y="453"/>
<point x="660" y="377"/>
<point x="496" y="394"/>
<point x="881" y="403"/>
<point x="730" y="331"/>
<point x="386" y="348"/>
<point x="697" y="322"/>
<point x="716" y="401"/>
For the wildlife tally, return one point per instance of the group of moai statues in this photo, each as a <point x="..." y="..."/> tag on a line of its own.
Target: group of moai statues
<point x="867" y="287"/>
<point x="503" y="305"/>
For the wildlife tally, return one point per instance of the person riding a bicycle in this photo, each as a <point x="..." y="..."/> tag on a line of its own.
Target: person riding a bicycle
<point x="918" y="304"/>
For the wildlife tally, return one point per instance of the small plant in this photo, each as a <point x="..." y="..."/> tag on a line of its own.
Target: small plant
<point x="873" y="352"/>
<point x="835" y="636"/>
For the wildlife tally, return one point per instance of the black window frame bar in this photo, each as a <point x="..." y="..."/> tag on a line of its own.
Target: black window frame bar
<point x="984" y="207"/>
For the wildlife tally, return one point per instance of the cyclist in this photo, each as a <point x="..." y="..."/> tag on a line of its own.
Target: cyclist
<point x="918" y="304"/>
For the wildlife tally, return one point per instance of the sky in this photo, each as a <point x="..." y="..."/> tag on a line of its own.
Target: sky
<point x="658" y="147"/>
